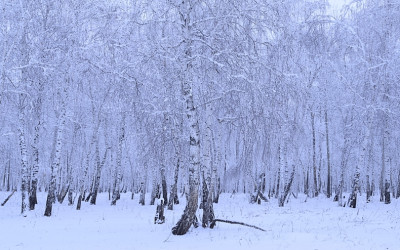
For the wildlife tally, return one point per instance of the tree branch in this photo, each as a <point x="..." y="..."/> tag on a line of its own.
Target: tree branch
<point x="235" y="222"/>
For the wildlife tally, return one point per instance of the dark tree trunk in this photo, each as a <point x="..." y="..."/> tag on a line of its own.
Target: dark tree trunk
<point x="51" y="197"/>
<point x="387" y="192"/>
<point x="189" y="214"/>
<point x="262" y="184"/>
<point x="8" y="176"/>
<point x="208" y="212"/>
<point x="315" y="190"/>
<point x="306" y="183"/>
<point x="372" y="187"/>
<point x="369" y="190"/>
<point x="82" y="190"/>
<point x="287" y="188"/>
<point x="164" y="187"/>
<point x="382" y="180"/>
<point x="278" y="181"/>
<point x="207" y="204"/>
<point x="328" y="158"/>
<point x="32" y="194"/>
<point x="398" y="186"/>
<point x="355" y="187"/>
<point x="353" y="200"/>
<point x="204" y="195"/>
<point x="337" y="193"/>
<point x="218" y="191"/>
<point x="62" y="194"/>
<point x="88" y="197"/>
<point x="70" y="182"/>
<point x="142" y="194"/>
<point x="96" y="184"/>
<point x="155" y="193"/>
<point x="173" y="196"/>
<point x="159" y="218"/>
<point x="78" y="204"/>
<point x="258" y="195"/>
<point x="70" y="197"/>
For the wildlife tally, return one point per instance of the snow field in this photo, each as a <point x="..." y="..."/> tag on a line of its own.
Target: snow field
<point x="313" y="224"/>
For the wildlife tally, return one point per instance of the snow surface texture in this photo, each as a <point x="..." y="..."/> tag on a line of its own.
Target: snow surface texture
<point x="315" y="224"/>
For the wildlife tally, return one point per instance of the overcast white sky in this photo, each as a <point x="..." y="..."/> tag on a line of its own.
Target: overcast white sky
<point x="336" y="5"/>
<point x="337" y="2"/>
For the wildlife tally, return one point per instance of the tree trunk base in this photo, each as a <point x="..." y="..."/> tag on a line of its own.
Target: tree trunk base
<point x="184" y="224"/>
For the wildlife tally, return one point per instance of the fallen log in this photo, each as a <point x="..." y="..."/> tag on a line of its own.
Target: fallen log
<point x="5" y="201"/>
<point x="235" y="222"/>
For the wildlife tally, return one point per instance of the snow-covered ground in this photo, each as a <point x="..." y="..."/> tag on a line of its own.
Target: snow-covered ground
<point x="314" y="224"/>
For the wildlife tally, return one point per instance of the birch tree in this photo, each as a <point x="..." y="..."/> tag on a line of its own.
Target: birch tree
<point x="185" y="11"/>
<point x="51" y="196"/>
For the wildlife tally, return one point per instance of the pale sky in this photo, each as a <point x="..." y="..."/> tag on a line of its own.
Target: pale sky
<point x="336" y="5"/>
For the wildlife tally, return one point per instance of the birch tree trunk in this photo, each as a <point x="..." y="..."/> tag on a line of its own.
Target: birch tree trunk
<point x="155" y="191"/>
<point x="189" y="214"/>
<point x="82" y="183"/>
<point x="382" y="179"/>
<point x="278" y="181"/>
<point x="142" y="191"/>
<point x="35" y="149"/>
<point x="398" y="186"/>
<point x="118" y="167"/>
<point x="209" y="182"/>
<point x="355" y="188"/>
<point x="99" y="167"/>
<point x="22" y="99"/>
<point x="328" y="158"/>
<point x="57" y="160"/>
<point x="173" y="196"/>
<point x="315" y="187"/>
<point x="164" y="186"/>
<point x="287" y="188"/>
<point x="24" y="160"/>
<point x="343" y="165"/>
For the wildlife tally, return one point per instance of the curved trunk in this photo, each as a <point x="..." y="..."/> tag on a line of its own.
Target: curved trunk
<point x="99" y="167"/>
<point x="189" y="215"/>
<point x="56" y="164"/>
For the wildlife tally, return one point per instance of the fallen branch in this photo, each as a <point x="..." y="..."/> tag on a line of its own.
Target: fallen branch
<point x="235" y="222"/>
<point x="5" y="201"/>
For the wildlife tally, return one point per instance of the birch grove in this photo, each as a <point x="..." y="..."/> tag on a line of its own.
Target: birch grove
<point x="192" y="98"/>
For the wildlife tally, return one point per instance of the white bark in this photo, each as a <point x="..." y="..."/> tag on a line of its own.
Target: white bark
<point x="24" y="161"/>
<point x="118" y="167"/>
<point x="57" y="159"/>
<point x="189" y="214"/>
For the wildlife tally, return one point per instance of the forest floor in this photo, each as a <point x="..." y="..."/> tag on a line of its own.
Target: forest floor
<point x="313" y="224"/>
